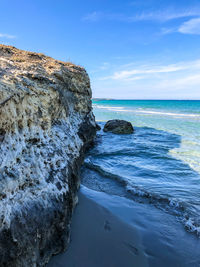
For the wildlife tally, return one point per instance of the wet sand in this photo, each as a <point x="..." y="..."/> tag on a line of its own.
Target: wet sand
<point x="112" y="231"/>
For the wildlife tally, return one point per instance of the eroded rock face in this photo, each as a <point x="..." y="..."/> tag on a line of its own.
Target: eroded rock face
<point x="118" y="127"/>
<point x="46" y="123"/>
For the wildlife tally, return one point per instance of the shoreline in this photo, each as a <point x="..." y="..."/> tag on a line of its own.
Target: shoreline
<point x="113" y="231"/>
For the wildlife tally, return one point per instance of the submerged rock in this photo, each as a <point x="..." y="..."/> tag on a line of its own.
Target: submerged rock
<point x="118" y="127"/>
<point x="46" y="123"/>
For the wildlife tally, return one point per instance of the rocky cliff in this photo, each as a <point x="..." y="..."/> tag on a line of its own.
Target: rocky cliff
<point x="46" y="122"/>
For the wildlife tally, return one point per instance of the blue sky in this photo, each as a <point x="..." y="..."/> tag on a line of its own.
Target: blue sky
<point x="131" y="49"/>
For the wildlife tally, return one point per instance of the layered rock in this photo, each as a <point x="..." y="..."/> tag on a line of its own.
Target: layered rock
<point x="46" y="123"/>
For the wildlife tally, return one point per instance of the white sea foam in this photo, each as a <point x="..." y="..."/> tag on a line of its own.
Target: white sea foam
<point x="172" y="205"/>
<point x="176" y="132"/>
<point x="168" y="113"/>
<point x="109" y="107"/>
<point x="191" y="226"/>
<point x="152" y="112"/>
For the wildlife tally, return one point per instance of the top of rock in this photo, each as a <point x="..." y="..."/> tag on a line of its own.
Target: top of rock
<point x="21" y="68"/>
<point x="36" y="79"/>
<point x="27" y="58"/>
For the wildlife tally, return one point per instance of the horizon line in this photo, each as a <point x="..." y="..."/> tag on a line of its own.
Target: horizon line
<point x="142" y="99"/>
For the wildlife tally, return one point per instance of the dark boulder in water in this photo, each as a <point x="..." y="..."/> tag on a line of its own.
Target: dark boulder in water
<point x="118" y="127"/>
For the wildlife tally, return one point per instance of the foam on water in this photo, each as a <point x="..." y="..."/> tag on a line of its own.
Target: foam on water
<point x="146" y="111"/>
<point x="159" y="163"/>
<point x="166" y="203"/>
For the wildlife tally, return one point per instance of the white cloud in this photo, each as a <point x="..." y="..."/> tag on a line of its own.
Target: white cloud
<point x="187" y="81"/>
<point x="137" y="81"/>
<point x="143" y="72"/>
<point x="190" y="27"/>
<point x="156" y="15"/>
<point x="166" y="15"/>
<point x="7" y="36"/>
<point x="165" y="31"/>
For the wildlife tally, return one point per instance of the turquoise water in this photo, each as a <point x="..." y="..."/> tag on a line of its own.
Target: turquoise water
<point x="178" y="117"/>
<point x="159" y="164"/>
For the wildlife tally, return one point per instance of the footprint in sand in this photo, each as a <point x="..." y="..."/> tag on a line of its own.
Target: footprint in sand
<point x="107" y="226"/>
<point x="132" y="249"/>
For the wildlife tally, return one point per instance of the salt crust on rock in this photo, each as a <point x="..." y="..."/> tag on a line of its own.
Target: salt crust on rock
<point x="46" y="122"/>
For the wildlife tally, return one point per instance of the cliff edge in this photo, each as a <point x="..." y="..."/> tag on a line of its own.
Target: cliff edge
<point x="46" y="123"/>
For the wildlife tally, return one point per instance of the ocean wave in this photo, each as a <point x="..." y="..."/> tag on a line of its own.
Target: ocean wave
<point x="168" y="113"/>
<point x="134" y="189"/>
<point x="108" y="107"/>
<point x="166" y="203"/>
<point x="143" y="111"/>
<point x="192" y="226"/>
<point x="105" y="173"/>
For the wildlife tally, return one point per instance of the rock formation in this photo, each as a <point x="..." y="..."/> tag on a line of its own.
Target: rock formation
<point x="118" y="127"/>
<point x="46" y="123"/>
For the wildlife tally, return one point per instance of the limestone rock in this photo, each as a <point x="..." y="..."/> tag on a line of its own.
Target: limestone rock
<point x="46" y="123"/>
<point x="118" y="127"/>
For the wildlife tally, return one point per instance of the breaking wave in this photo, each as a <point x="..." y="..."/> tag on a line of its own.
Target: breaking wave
<point x="166" y="203"/>
<point x="146" y="111"/>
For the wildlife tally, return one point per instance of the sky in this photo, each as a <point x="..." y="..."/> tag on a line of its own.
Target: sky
<point x="131" y="49"/>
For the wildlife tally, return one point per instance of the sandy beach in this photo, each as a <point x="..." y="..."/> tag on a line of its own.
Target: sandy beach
<point x="109" y="232"/>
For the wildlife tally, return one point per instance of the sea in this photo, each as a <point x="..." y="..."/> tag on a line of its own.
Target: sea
<point x="158" y="165"/>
